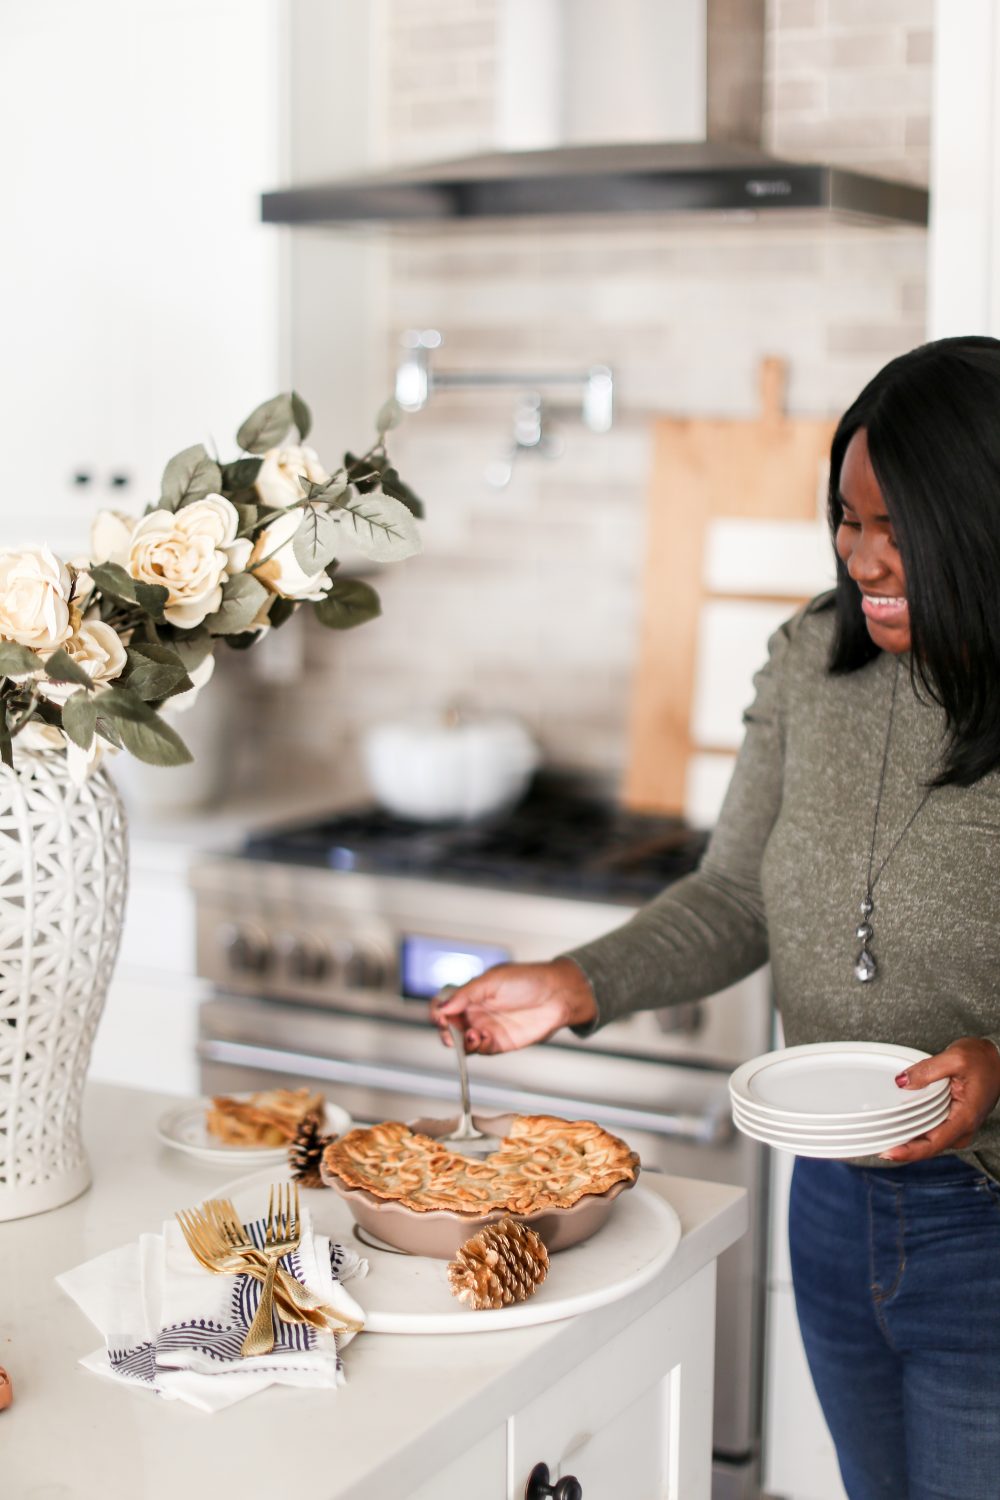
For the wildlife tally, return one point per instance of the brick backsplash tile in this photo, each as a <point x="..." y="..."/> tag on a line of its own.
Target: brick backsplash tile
<point x="896" y="91"/>
<point x="873" y="338"/>
<point x="797" y="94"/>
<point x="920" y="47"/>
<point x="792" y="15"/>
<point x="834" y="52"/>
<point x="888" y="13"/>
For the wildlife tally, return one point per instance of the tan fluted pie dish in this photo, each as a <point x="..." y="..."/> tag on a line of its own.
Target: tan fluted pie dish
<point x="416" y="1194"/>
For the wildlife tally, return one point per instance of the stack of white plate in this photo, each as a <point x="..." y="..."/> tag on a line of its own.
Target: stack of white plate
<point x="835" y="1099"/>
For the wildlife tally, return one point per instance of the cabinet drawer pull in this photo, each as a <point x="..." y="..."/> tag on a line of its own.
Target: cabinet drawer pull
<point x="538" y="1487"/>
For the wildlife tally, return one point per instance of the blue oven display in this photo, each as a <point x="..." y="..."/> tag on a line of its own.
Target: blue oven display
<point x="427" y="964"/>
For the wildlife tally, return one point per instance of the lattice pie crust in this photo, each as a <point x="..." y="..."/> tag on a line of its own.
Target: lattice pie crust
<point x="541" y="1163"/>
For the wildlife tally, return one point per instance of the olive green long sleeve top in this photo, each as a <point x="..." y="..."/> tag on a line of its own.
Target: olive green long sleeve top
<point x="785" y="872"/>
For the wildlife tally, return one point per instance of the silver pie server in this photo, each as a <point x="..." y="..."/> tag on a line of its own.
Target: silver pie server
<point x="465" y="1138"/>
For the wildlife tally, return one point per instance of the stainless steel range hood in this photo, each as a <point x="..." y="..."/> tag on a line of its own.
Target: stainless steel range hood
<point x="626" y="178"/>
<point x="656" y="109"/>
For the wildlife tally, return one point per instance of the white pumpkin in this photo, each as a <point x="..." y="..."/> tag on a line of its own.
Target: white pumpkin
<point x="437" y="767"/>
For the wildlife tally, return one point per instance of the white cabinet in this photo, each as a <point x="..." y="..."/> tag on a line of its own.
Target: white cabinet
<point x="142" y="292"/>
<point x="634" y="1418"/>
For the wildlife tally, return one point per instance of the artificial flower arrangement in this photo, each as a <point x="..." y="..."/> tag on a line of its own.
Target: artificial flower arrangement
<point x="91" y="650"/>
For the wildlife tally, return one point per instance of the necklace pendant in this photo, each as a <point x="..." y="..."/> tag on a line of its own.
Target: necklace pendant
<point x="865" y="967"/>
<point x="864" y="932"/>
<point x="867" y="906"/>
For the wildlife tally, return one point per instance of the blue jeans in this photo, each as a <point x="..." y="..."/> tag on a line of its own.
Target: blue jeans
<point x="897" y="1288"/>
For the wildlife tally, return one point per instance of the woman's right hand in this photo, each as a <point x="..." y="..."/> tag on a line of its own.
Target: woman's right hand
<point x="515" y="1005"/>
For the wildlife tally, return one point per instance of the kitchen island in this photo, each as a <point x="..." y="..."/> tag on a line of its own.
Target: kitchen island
<point x="620" y="1396"/>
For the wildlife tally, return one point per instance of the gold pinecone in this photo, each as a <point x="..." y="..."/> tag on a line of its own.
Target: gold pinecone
<point x="503" y="1263"/>
<point x="305" y="1151"/>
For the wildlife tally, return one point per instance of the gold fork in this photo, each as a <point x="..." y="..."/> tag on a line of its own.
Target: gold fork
<point x="216" y="1255"/>
<point x="229" y="1225"/>
<point x="281" y="1235"/>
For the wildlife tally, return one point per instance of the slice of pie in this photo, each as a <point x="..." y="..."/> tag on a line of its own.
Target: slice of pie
<point x="268" y="1118"/>
<point x="543" y="1162"/>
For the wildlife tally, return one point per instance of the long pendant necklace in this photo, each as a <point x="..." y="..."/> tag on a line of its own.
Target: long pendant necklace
<point x="865" y="967"/>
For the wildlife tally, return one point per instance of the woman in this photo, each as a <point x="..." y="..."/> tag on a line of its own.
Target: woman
<point x="858" y="850"/>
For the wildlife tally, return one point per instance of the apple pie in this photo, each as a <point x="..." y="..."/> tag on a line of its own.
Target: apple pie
<point x="269" y="1118"/>
<point x="542" y="1163"/>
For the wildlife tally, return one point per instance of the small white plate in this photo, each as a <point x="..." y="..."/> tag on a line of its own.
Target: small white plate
<point x="936" y="1110"/>
<point x="183" y="1128"/>
<point x="831" y="1082"/>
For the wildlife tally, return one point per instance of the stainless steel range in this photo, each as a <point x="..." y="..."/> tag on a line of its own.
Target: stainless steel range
<point x="326" y="941"/>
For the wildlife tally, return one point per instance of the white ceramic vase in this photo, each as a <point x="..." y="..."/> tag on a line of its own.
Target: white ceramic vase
<point x="63" y="881"/>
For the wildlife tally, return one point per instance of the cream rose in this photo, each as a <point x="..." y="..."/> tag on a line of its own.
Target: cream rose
<point x="191" y="553"/>
<point x="281" y="572"/>
<point x="110" y="535"/>
<point x="282" y="470"/>
<point x="35" y="590"/>
<point x="98" y="650"/>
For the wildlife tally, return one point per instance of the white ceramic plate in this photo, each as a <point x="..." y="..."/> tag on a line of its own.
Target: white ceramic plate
<point x="831" y="1082"/>
<point x="903" y="1131"/>
<point x="845" y="1150"/>
<point x="183" y="1128"/>
<point x="410" y="1294"/>
<point x="859" y="1145"/>
<point x="936" y="1110"/>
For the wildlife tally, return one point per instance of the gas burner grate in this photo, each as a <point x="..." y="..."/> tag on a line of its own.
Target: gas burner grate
<point x="557" y="841"/>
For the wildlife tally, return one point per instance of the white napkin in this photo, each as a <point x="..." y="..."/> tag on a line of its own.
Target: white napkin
<point x="177" y="1329"/>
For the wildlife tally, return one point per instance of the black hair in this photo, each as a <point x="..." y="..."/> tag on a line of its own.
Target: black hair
<point x="932" y="419"/>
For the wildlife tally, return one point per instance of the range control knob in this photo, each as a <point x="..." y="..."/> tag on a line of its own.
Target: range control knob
<point x="248" y="950"/>
<point x="364" y="969"/>
<point x="306" y="960"/>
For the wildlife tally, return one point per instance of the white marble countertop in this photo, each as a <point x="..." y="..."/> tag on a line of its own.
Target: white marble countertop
<point x="72" y="1434"/>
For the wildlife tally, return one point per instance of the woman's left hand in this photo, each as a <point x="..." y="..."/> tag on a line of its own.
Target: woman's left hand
<point x="973" y="1065"/>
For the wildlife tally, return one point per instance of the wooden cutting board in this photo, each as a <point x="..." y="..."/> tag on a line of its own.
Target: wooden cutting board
<point x="770" y="467"/>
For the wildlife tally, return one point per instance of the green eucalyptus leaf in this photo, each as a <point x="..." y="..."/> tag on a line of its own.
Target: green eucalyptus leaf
<point x="192" y="647"/>
<point x="190" y="475"/>
<point x="142" y="731"/>
<point x="106" y="729"/>
<point x="267" y="425"/>
<point x="242" y="598"/>
<point x="394" y="486"/>
<point x="333" y="492"/>
<point x="350" y="602"/>
<point x="315" y="542"/>
<point x="154" y="742"/>
<point x="364" y="472"/>
<point x="6" y="748"/>
<point x="151" y="598"/>
<point x="390" y="414"/>
<point x="280" y="611"/>
<point x="156" y="671"/>
<point x="112" y="579"/>
<point x="16" y="660"/>
<point x="248" y="513"/>
<point x="379" y="527"/>
<point x="240" y="474"/>
<point x="301" y="416"/>
<point x="79" y="719"/>
<point x="243" y="641"/>
<point x="60" y="667"/>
